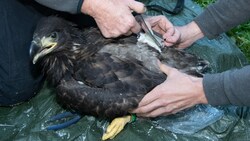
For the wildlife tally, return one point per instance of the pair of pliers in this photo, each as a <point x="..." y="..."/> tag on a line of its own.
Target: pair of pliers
<point x="74" y="119"/>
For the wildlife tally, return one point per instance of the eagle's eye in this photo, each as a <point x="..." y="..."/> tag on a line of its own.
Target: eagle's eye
<point x="53" y="35"/>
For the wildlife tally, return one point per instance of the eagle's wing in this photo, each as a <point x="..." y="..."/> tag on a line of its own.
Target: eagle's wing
<point x="184" y="61"/>
<point x="105" y="85"/>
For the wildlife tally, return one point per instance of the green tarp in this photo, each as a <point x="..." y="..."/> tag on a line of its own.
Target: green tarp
<point x="28" y="121"/>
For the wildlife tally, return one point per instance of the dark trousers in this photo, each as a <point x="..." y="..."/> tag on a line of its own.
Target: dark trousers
<point x="19" y="80"/>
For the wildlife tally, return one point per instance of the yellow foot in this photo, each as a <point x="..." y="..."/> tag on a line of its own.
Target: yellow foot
<point x="116" y="127"/>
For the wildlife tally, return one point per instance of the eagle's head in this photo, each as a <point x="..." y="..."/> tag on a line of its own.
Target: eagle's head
<point x="52" y="34"/>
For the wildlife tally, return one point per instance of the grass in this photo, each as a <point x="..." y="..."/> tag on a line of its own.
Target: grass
<point x="240" y="34"/>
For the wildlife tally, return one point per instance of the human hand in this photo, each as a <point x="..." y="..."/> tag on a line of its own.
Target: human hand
<point x="177" y="36"/>
<point x="178" y="92"/>
<point x="162" y="25"/>
<point x="114" y="17"/>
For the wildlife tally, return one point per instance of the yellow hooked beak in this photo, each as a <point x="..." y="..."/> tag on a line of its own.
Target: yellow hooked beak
<point x="41" y="47"/>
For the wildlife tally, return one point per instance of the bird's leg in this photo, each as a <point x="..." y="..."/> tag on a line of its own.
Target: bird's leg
<point x="116" y="126"/>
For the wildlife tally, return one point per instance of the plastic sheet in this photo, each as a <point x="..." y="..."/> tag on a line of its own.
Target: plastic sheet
<point x="28" y="121"/>
<point x="189" y="121"/>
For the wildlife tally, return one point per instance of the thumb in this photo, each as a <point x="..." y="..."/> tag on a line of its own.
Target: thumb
<point x="136" y="6"/>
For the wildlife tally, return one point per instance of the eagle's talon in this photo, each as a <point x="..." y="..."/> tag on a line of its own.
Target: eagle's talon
<point x="116" y="127"/>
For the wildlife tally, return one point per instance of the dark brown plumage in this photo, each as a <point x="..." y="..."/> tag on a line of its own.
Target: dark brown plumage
<point x="98" y="76"/>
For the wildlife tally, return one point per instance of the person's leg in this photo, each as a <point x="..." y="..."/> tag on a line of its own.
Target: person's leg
<point x="19" y="81"/>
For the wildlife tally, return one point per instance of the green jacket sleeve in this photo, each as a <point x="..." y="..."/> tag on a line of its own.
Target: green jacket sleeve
<point x="230" y="87"/>
<point x="70" y="6"/>
<point x="233" y="86"/>
<point x="222" y="16"/>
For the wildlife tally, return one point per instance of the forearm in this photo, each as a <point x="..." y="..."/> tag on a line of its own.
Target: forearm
<point x="230" y="87"/>
<point x="70" y="6"/>
<point x="222" y="16"/>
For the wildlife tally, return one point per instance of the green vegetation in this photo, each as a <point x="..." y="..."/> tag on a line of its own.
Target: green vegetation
<point x="240" y="34"/>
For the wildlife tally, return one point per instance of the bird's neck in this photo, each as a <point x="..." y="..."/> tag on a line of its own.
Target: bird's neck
<point x="58" y="67"/>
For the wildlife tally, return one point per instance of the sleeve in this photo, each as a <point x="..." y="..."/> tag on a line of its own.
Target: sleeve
<point x="222" y="16"/>
<point x="230" y="87"/>
<point x="70" y="6"/>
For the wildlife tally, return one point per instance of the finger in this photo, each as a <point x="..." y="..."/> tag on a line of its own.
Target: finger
<point x="159" y="30"/>
<point x="177" y="35"/>
<point x="155" y="26"/>
<point x="149" y="97"/>
<point x="128" y="33"/>
<point x="178" y="110"/>
<point x="166" y="110"/>
<point x="168" y="44"/>
<point x="109" y="34"/>
<point x="148" y="108"/>
<point x="138" y="7"/>
<point x="136" y="28"/>
<point x="173" y="39"/>
<point x="160" y="21"/>
<point x="170" y="32"/>
<point x="152" y="20"/>
<point x="143" y="108"/>
<point x="158" y="112"/>
<point x="166" y="69"/>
